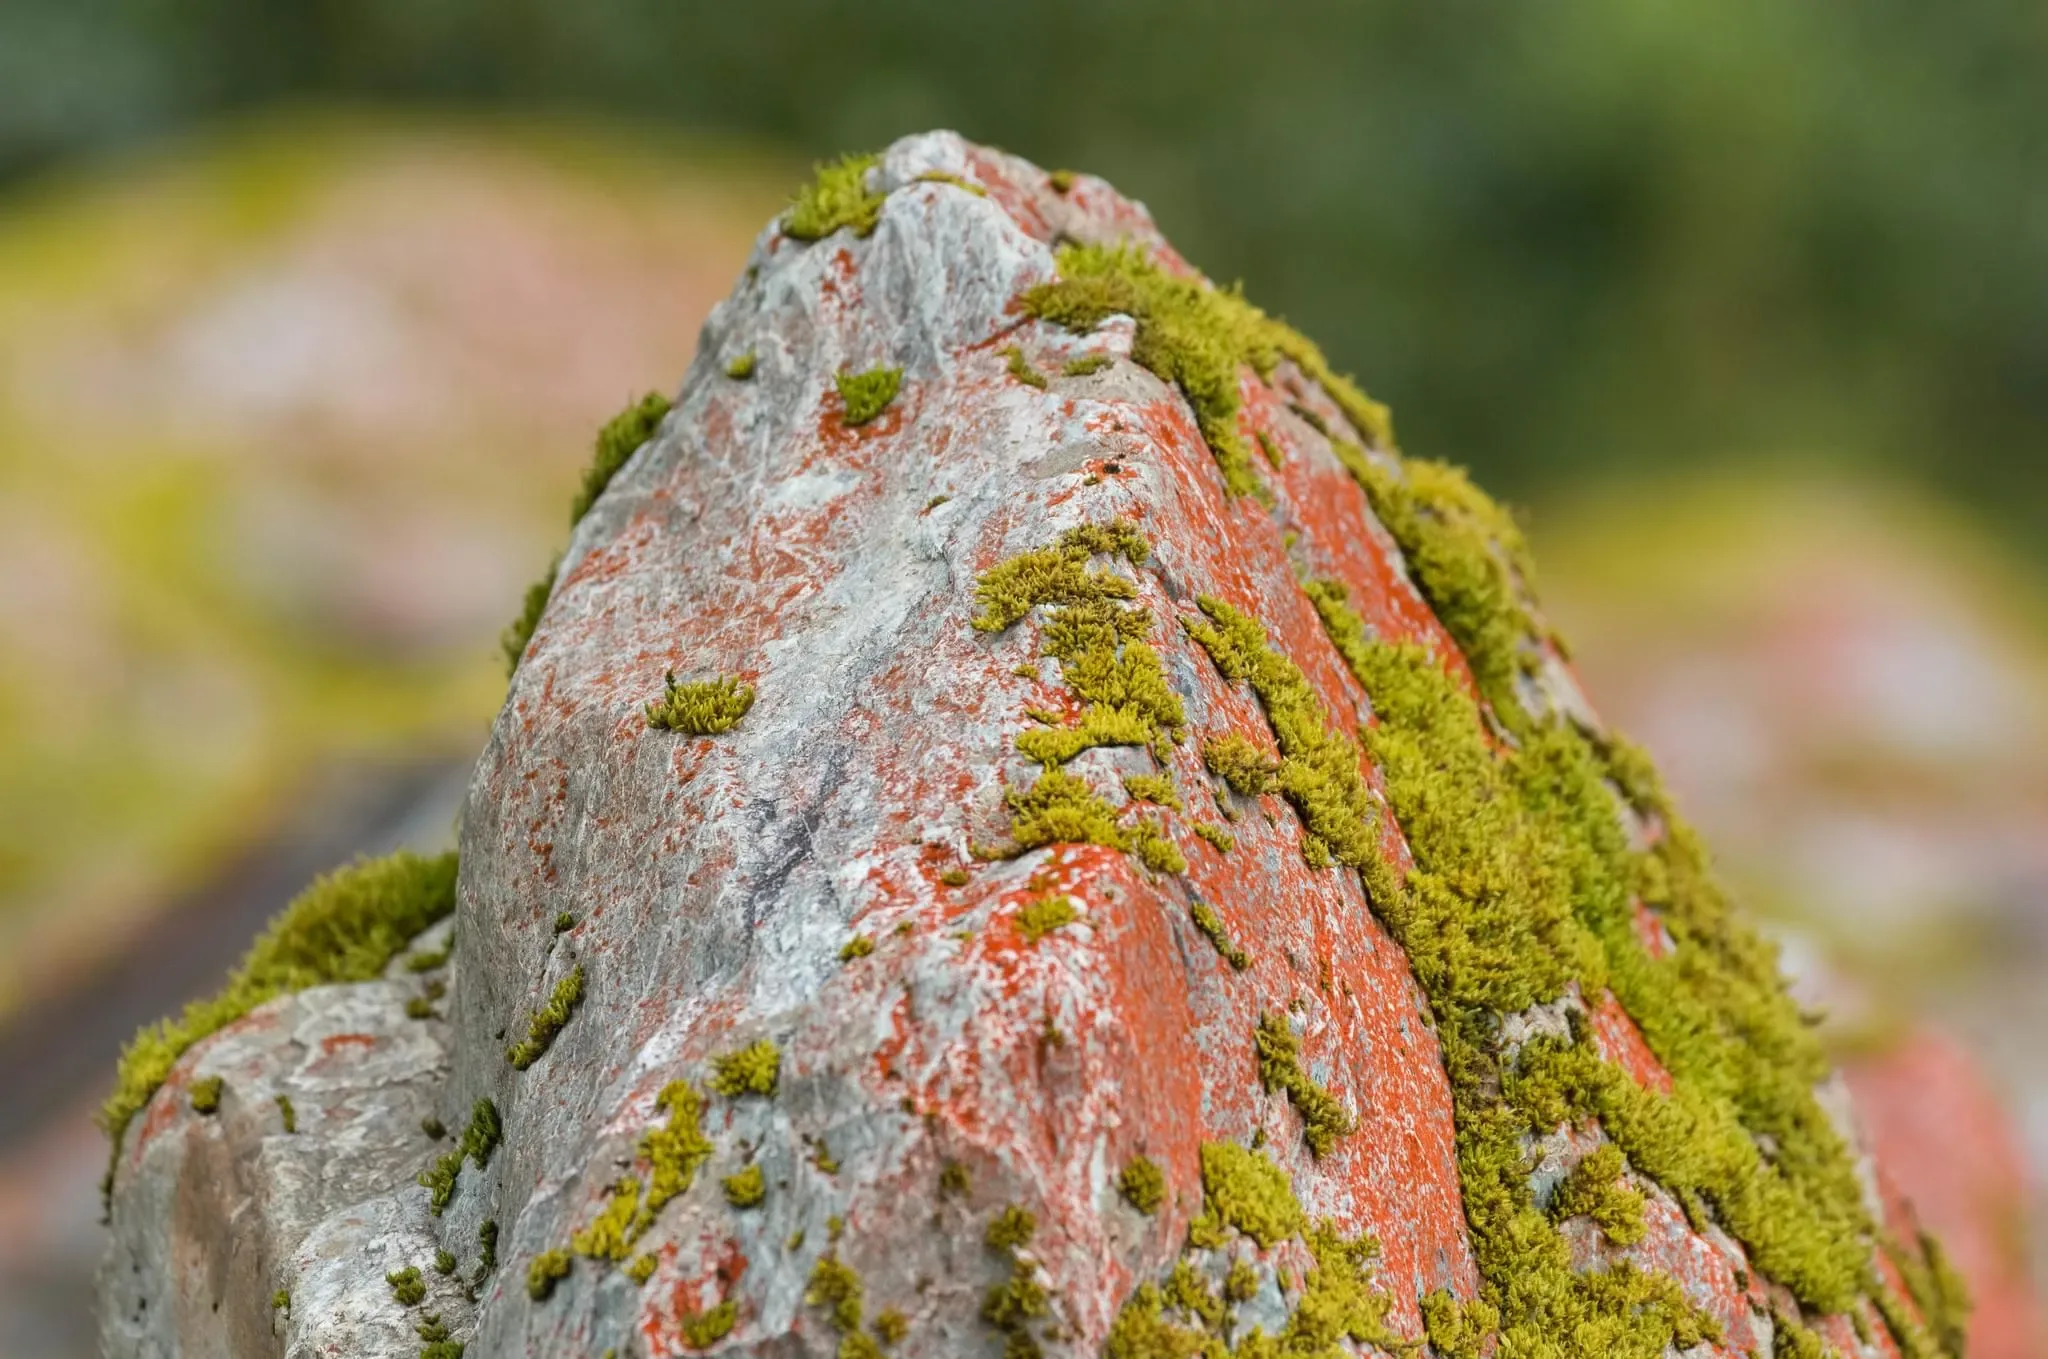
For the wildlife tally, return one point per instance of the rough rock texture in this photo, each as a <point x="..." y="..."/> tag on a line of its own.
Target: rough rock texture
<point x="968" y="1078"/>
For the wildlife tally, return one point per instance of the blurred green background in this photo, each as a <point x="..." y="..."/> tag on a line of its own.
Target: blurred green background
<point x="308" y="311"/>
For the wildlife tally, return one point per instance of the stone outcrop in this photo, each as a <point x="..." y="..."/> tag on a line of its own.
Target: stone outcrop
<point x="1022" y="825"/>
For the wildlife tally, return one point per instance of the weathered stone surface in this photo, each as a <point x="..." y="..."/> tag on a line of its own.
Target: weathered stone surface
<point x="810" y="879"/>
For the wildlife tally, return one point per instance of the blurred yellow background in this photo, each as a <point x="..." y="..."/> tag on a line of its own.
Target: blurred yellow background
<point x="308" y="314"/>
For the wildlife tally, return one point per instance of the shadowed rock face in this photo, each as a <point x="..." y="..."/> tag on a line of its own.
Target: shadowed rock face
<point x="951" y="1075"/>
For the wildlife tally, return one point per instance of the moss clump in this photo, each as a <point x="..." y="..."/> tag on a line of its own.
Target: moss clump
<point x="610" y="1235"/>
<point x="1060" y="808"/>
<point x="1318" y="770"/>
<point x="547" y="1021"/>
<point x="347" y="926"/>
<point x="1240" y="763"/>
<point x="1211" y="925"/>
<point x="487" y="1250"/>
<point x="835" y="1286"/>
<point x="837" y="197"/>
<point x="955" y="877"/>
<point x="953" y="1179"/>
<point x="752" y="1070"/>
<point x="1020" y="368"/>
<point x="1457" y="1328"/>
<point x="701" y="707"/>
<point x="564" y="922"/>
<point x="866" y="395"/>
<point x="444" y="1262"/>
<point x="547" y="1269"/>
<point x="860" y="946"/>
<point x="642" y="1268"/>
<point x="941" y="177"/>
<point x="430" y="962"/>
<point x="1219" y="839"/>
<point x="433" y="1127"/>
<point x="518" y="634"/>
<point x="1595" y="1189"/>
<point x="703" y="1329"/>
<point x="617" y="442"/>
<point x="1060" y="574"/>
<point x="1937" y="1289"/>
<point x="673" y="1151"/>
<point x="1323" y="1119"/>
<point x="1087" y="364"/>
<point x="419" y="1007"/>
<point x="479" y="1139"/>
<point x="890" y="1326"/>
<point x="1011" y="1229"/>
<point x="1791" y="1340"/>
<point x="1197" y="337"/>
<point x="281" y="1301"/>
<point x="1246" y="1191"/>
<point x="1143" y="1184"/>
<point x="1060" y="180"/>
<point x="746" y="1189"/>
<point x="206" y="1094"/>
<point x="1012" y="1305"/>
<point x="407" y="1286"/>
<point x="741" y="368"/>
<point x="1155" y="788"/>
<point x="1043" y="916"/>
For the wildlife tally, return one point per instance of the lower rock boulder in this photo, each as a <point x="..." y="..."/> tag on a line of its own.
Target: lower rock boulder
<point x="1023" y="825"/>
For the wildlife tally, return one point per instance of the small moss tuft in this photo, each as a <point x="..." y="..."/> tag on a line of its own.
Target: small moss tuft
<point x="642" y="1268"/>
<point x="941" y="177"/>
<point x="610" y="1235"/>
<point x="746" y="1189"/>
<point x="752" y="1070"/>
<point x="860" y="946"/>
<point x="1244" y="1190"/>
<point x="741" y="368"/>
<point x="347" y="926"/>
<point x="433" y="1127"/>
<point x="834" y="1285"/>
<point x="837" y="197"/>
<point x="1323" y="1118"/>
<point x="206" y="1094"/>
<point x="890" y="1326"/>
<point x="955" y="877"/>
<point x="407" y="1286"/>
<point x="548" y="1021"/>
<point x="444" y="1262"/>
<point x="1211" y="925"/>
<point x="1596" y="1189"/>
<point x="1043" y="916"/>
<point x="548" y="1268"/>
<point x="1087" y="364"/>
<point x="953" y="1179"/>
<point x="1240" y="763"/>
<point x="1060" y="180"/>
<point x="1020" y="368"/>
<point x="479" y="1140"/>
<point x="1011" y="1229"/>
<point x="702" y="707"/>
<point x="564" y="922"/>
<point x="419" y="1007"/>
<point x="430" y="962"/>
<point x="287" y="1114"/>
<point x="674" y="1151"/>
<point x="512" y="643"/>
<point x="703" y="1329"/>
<point x="1156" y="788"/>
<point x="1221" y="839"/>
<point x="1143" y="1184"/>
<point x="617" y="442"/>
<point x="866" y="395"/>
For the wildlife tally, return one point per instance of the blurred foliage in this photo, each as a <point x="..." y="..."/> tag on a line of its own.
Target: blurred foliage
<point x="1559" y="239"/>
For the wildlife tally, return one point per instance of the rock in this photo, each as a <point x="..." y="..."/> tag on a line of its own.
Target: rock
<point x="1022" y="826"/>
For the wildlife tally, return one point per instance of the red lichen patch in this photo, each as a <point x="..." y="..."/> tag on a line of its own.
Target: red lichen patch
<point x="1649" y="929"/>
<point x="1623" y="1044"/>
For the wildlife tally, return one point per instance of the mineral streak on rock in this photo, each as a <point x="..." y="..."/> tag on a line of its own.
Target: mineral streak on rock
<point x="942" y="1150"/>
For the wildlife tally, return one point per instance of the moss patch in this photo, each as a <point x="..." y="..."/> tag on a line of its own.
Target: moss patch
<point x="1323" y="1119"/>
<point x="1087" y="364"/>
<point x="752" y="1070"/>
<point x="1249" y="770"/>
<point x="347" y="926"/>
<point x="746" y="1189"/>
<point x="617" y="442"/>
<point x="548" y="1021"/>
<point x="1197" y="337"/>
<point x="1155" y="788"/>
<point x="1041" y="917"/>
<point x="546" y="1270"/>
<point x="1211" y="925"/>
<point x="742" y="367"/>
<point x="518" y="634"/>
<point x="701" y="707"/>
<point x="866" y="395"/>
<point x="1020" y="368"/>
<point x="1595" y="1189"/>
<point x="837" y="197"/>
<point x="479" y="1140"/>
<point x="1221" y="840"/>
<point x="206" y="1094"/>
<point x="1143" y="1184"/>
<point x="703" y="1329"/>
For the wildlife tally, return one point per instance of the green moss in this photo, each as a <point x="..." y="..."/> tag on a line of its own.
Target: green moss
<point x="642" y="1268"/>
<point x="955" y="877"/>
<point x="518" y="634"/>
<point x="610" y="1235"/>
<point x="701" y="707"/>
<point x="741" y="368"/>
<point x="1595" y="1189"/>
<point x="444" y="1263"/>
<point x="1211" y="925"/>
<point x="1061" y="808"/>
<point x="1197" y="337"/>
<point x="1791" y="1340"/>
<point x="674" y="1151"/>
<point x="1240" y="763"/>
<point x="837" y="197"/>
<point x="281" y="1301"/>
<point x="890" y="1326"/>
<point x="564" y="922"/>
<point x="1011" y="1229"/>
<point x="751" y="1070"/>
<point x="479" y="1140"/>
<point x="1060" y="574"/>
<point x="836" y="1287"/>
<point x="1246" y="1191"/>
<point x="703" y="1329"/>
<point x="1323" y="1119"/>
<point x="1060" y="180"/>
<point x="548" y="1021"/>
<point x="206" y="1094"/>
<point x="286" y="1114"/>
<point x="1012" y="1305"/>
<point x="347" y="926"/>
<point x="941" y="177"/>
<point x="1143" y="1184"/>
<point x="1318" y="770"/>
<point x="1937" y="1289"/>
<point x="953" y="1179"/>
<point x="1154" y="788"/>
<point x="419" y="1007"/>
<point x="1087" y="364"/>
<point x="487" y="1249"/>
<point x="1041" y="917"/>
<point x="866" y="395"/>
<point x="407" y="1285"/>
<point x="1270" y="449"/>
<point x="1020" y="368"/>
<point x="429" y="962"/>
<point x="1457" y="1329"/>
<point x="617" y="442"/>
<point x="860" y="946"/>
<point x="746" y="1189"/>
<point x="1222" y="840"/>
<point x="547" y="1269"/>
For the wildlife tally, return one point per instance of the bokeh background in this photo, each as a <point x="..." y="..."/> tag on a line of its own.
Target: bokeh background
<point x="308" y="311"/>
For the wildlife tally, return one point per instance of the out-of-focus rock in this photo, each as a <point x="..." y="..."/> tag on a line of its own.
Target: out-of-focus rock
<point x="924" y="893"/>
